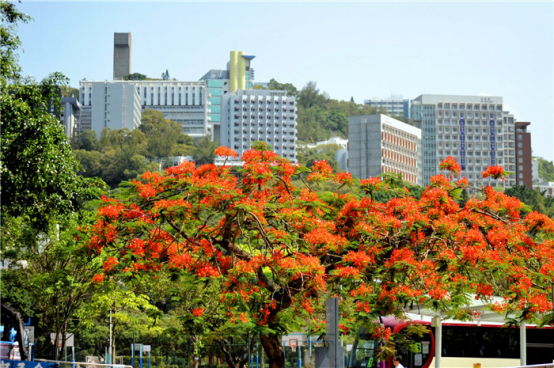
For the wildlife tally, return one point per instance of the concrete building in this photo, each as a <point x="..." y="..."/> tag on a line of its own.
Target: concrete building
<point x="395" y="105"/>
<point x="524" y="157"/>
<point x="121" y="55"/>
<point x="71" y="116"/>
<point x="473" y="129"/>
<point x="185" y="103"/>
<point x="238" y="75"/>
<point x="112" y="105"/>
<point x="378" y="144"/>
<point x="259" y="115"/>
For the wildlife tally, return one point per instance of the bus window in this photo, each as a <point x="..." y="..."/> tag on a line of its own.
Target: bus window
<point x="480" y="342"/>
<point x="363" y="354"/>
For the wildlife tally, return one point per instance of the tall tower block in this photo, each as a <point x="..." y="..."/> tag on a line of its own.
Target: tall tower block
<point x="242" y="71"/>
<point x="233" y="72"/>
<point x="121" y="55"/>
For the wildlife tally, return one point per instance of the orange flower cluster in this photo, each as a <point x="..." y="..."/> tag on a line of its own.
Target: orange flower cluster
<point x="226" y="151"/>
<point x="320" y="171"/>
<point x="110" y="264"/>
<point x="495" y="172"/>
<point x="198" y="312"/>
<point x="451" y="165"/>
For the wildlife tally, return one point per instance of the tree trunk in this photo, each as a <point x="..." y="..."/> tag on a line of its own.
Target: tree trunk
<point x="235" y="357"/>
<point x="274" y="350"/>
<point x="195" y="353"/>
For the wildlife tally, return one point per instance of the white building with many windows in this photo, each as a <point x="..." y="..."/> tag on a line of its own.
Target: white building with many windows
<point x="113" y="103"/>
<point x="475" y="130"/>
<point x="395" y="105"/>
<point x="259" y="115"/>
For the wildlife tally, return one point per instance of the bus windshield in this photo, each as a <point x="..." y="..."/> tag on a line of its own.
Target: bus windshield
<point x="362" y="354"/>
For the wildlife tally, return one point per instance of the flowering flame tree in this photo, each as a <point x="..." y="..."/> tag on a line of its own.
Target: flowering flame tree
<point x="276" y="247"/>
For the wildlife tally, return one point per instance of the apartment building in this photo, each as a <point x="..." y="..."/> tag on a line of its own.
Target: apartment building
<point x="113" y="103"/>
<point x="259" y="115"/>
<point x="475" y="130"/>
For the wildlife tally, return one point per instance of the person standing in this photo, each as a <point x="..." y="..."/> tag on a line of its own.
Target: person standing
<point x="14" y="353"/>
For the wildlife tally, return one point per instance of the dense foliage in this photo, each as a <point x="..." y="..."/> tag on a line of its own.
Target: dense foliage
<point x="121" y="155"/>
<point x="546" y="169"/>
<point x="38" y="176"/>
<point x="43" y="199"/>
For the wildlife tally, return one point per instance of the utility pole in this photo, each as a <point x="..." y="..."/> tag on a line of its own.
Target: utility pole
<point x="110" y="349"/>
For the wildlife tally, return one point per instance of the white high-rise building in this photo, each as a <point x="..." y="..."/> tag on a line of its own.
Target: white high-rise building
<point x="185" y="103"/>
<point x="259" y="115"/>
<point x="395" y="105"/>
<point x="475" y="130"/>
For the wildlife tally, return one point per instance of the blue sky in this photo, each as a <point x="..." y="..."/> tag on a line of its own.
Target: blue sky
<point x="358" y="49"/>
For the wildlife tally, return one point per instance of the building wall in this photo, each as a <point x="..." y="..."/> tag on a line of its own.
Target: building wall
<point x="185" y="103"/>
<point x="217" y="82"/>
<point x="378" y="144"/>
<point x="259" y="115"/>
<point x="121" y="55"/>
<point x="114" y="106"/>
<point x="473" y="129"/>
<point x="524" y="159"/>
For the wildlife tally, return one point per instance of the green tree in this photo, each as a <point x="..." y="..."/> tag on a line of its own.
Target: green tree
<point x="307" y="156"/>
<point x="546" y="169"/>
<point x="38" y="171"/>
<point x="128" y="309"/>
<point x="162" y="135"/>
<point x="87" y="141"/>
<point x="67" y="91"/>
<point x="204" y="151"/>
<point x="47" y="276"/>
<point x="9" y="40"/>
<point x="289" y="87"/>
<point x="91" y="163"/>
<point x="135" y="76"/>
<point x="309" y="96"/>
